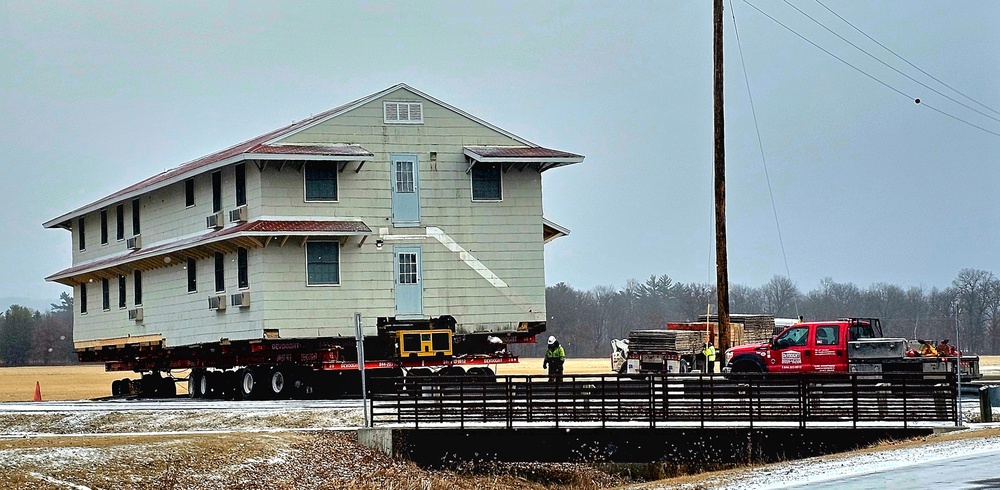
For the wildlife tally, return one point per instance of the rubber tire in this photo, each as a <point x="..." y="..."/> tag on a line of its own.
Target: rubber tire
<point x="194" y="383"/>
<point x="167" y="388"/>
<point x="449" y="371"/>
<point x="116" y="388"/>
<point x="248" y="384"/>
<point x="280" y="383"/>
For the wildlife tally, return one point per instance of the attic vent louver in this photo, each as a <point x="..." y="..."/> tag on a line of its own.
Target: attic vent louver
<point x="403" y="112"/>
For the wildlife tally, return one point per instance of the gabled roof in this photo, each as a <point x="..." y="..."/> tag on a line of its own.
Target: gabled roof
<point x="266" y="146"/>
<point x="241" y="235"/>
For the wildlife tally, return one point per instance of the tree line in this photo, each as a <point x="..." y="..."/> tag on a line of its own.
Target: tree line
<point x="586" y="321"/>
<point x="30" y="337"/>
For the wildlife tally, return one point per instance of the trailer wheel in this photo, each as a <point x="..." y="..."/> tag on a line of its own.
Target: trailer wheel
<point x="194" y="383"/>
<point x="167" y="387"/>
<point x="116" y="388"/>
<point x="249" y="384"/>
<point x="281" y="383"/>
<point x="482" y="374"/>
<point x="452" y="371"/>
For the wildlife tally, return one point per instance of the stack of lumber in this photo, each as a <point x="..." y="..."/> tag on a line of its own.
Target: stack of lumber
<point x="665" y="341"/>
<point x="755" y="328"/>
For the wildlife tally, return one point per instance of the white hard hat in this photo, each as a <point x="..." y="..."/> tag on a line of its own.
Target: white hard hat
<point x="552" y="339"/>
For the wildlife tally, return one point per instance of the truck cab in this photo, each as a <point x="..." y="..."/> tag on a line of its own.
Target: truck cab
<point x="804" y="347"/>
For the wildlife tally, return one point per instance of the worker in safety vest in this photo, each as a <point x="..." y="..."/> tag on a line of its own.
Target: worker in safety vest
<point x="555" y="356"/>
<point x="709" y="354"/>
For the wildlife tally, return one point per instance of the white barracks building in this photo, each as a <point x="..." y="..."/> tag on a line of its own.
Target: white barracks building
<point x="396" y="205"/>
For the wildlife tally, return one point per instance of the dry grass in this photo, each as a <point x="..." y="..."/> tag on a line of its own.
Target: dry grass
<point x="255" y="461"/>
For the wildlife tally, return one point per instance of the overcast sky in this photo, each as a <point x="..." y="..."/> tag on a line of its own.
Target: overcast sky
<point x="868" y="186"/>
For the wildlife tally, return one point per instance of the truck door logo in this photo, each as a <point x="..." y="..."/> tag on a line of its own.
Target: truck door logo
<point x="791" y="357"/>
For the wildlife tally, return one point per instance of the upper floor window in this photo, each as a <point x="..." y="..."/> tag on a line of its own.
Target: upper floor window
<point x="120" y="215"/>
<point x="81" y="227"/>
<point x="321" y="182"/>
<point x="135" y="217"/>
<point x="189" y="192"/>
<point x="192" y="275"/>
<point x="242" y="268"/>
<point x="241" y="184"/>
<point x="83" y="297"/>
<point x="403" y="112"/>
<point x="322" y="263"/>
<point x="216" y="192"/>
<point x="486" y="183"/>
<point x="104" y="227"/>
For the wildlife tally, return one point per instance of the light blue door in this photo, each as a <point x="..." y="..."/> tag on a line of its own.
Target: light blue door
<point x="409" y="287"/>
<point x="405" y="189"/>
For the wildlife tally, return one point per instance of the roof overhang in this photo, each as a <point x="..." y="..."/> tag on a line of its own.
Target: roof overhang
<point x="520" y="157"/>
<point x="254" y="234"/>
<point x="551" y="231"/>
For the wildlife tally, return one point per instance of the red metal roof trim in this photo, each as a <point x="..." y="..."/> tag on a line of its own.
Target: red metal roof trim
<point x="260" y="227"/>
<point x="333" y="150"/>
<point x="519" y="152"/>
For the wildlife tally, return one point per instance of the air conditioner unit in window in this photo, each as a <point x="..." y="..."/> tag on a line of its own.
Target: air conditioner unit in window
<point x="217" y="220"/>
<point x="134" y="243"/>
<point x="135" y="314"/>
<point x="241" y="299"/>
<point x="238" y="215"/>
<point x="217" y="302"/>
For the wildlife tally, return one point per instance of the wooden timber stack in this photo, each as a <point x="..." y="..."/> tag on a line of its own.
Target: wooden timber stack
<point x="746" y="328"/>
<point x="679" y="341"/>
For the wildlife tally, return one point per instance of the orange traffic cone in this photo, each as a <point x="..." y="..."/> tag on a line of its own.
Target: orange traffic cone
<point x="38" y="392"/>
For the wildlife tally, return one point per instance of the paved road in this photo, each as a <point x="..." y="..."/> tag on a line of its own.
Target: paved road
<point x="981" y="471"/>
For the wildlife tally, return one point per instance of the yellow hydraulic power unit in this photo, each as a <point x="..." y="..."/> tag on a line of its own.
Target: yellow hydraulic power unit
<point x="424" y="343"/>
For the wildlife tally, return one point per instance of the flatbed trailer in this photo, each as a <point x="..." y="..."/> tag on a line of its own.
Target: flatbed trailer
<point x="306" y="367"/>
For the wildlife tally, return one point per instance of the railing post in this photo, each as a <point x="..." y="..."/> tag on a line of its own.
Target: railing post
<point x="701" y="399"/>
<point x="802" y="402"/>
<point x="510" y="403"/>
<point x="555" y="401"/>
<point x="604" y="401"/>
<point x="854" y="392"/>
<point x="906" y="414"/>
<point x="651" y="403"/>
<point x="461" y="402"/>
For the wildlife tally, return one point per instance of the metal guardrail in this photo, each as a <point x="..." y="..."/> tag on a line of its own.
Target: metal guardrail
<point x="511" y="401"/>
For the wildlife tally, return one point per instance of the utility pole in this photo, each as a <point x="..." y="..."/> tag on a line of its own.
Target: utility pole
<point x="722" y="261"/>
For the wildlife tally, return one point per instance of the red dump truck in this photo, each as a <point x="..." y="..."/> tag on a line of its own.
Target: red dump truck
<point x="844" y="345"/>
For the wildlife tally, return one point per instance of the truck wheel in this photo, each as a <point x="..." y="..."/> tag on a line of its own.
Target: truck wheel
<point x="454" y="371"/>
<point x="116" y="388"/>
<point x="167" y="388"/>
<point x="747" y="367"/>
<point x="249" y="384"/>
<point x="208" y="385"/>
<point x="280" y="383"/>
<point x="194" y="383"/>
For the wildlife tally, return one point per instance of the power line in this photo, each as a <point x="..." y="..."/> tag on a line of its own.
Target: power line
<point x="760" y="145"/>
<point x="887" y="65"/>
<point x="859" y="70"/>
<point x="907" y="61"/>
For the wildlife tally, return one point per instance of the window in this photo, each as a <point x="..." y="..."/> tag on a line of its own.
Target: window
<point x="121" y="291"/>
<point x="861" y="331"/>
<point x="105" y="294"/>
<point x="189" y="192"/>
<point x="243" y="274"/>
<point x="486" y="182"/>
<point x="104" y="227"/>
<point x="322" y="263"/>
<point x="407" y="268"/>
<point x="794" y="337"/>
<point x="220" y="272"/>
<point x="137" y="285"/>
<point x="241" y="184"/>
<point x="321" y="182"/>
<point x="120" y="215"/>
<point x="192" y="275"/>
<point x="82" y="229"/>
<point x="135" y="217"/>
<point x="403" y="112"/>
<point x="404" y="177"/>
<point x="83" y="297"/>
<point x="216" y="192"/>
<point x="827" y="335"/>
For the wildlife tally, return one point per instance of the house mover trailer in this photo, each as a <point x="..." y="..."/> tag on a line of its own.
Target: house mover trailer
<point x="253" y="267"/>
